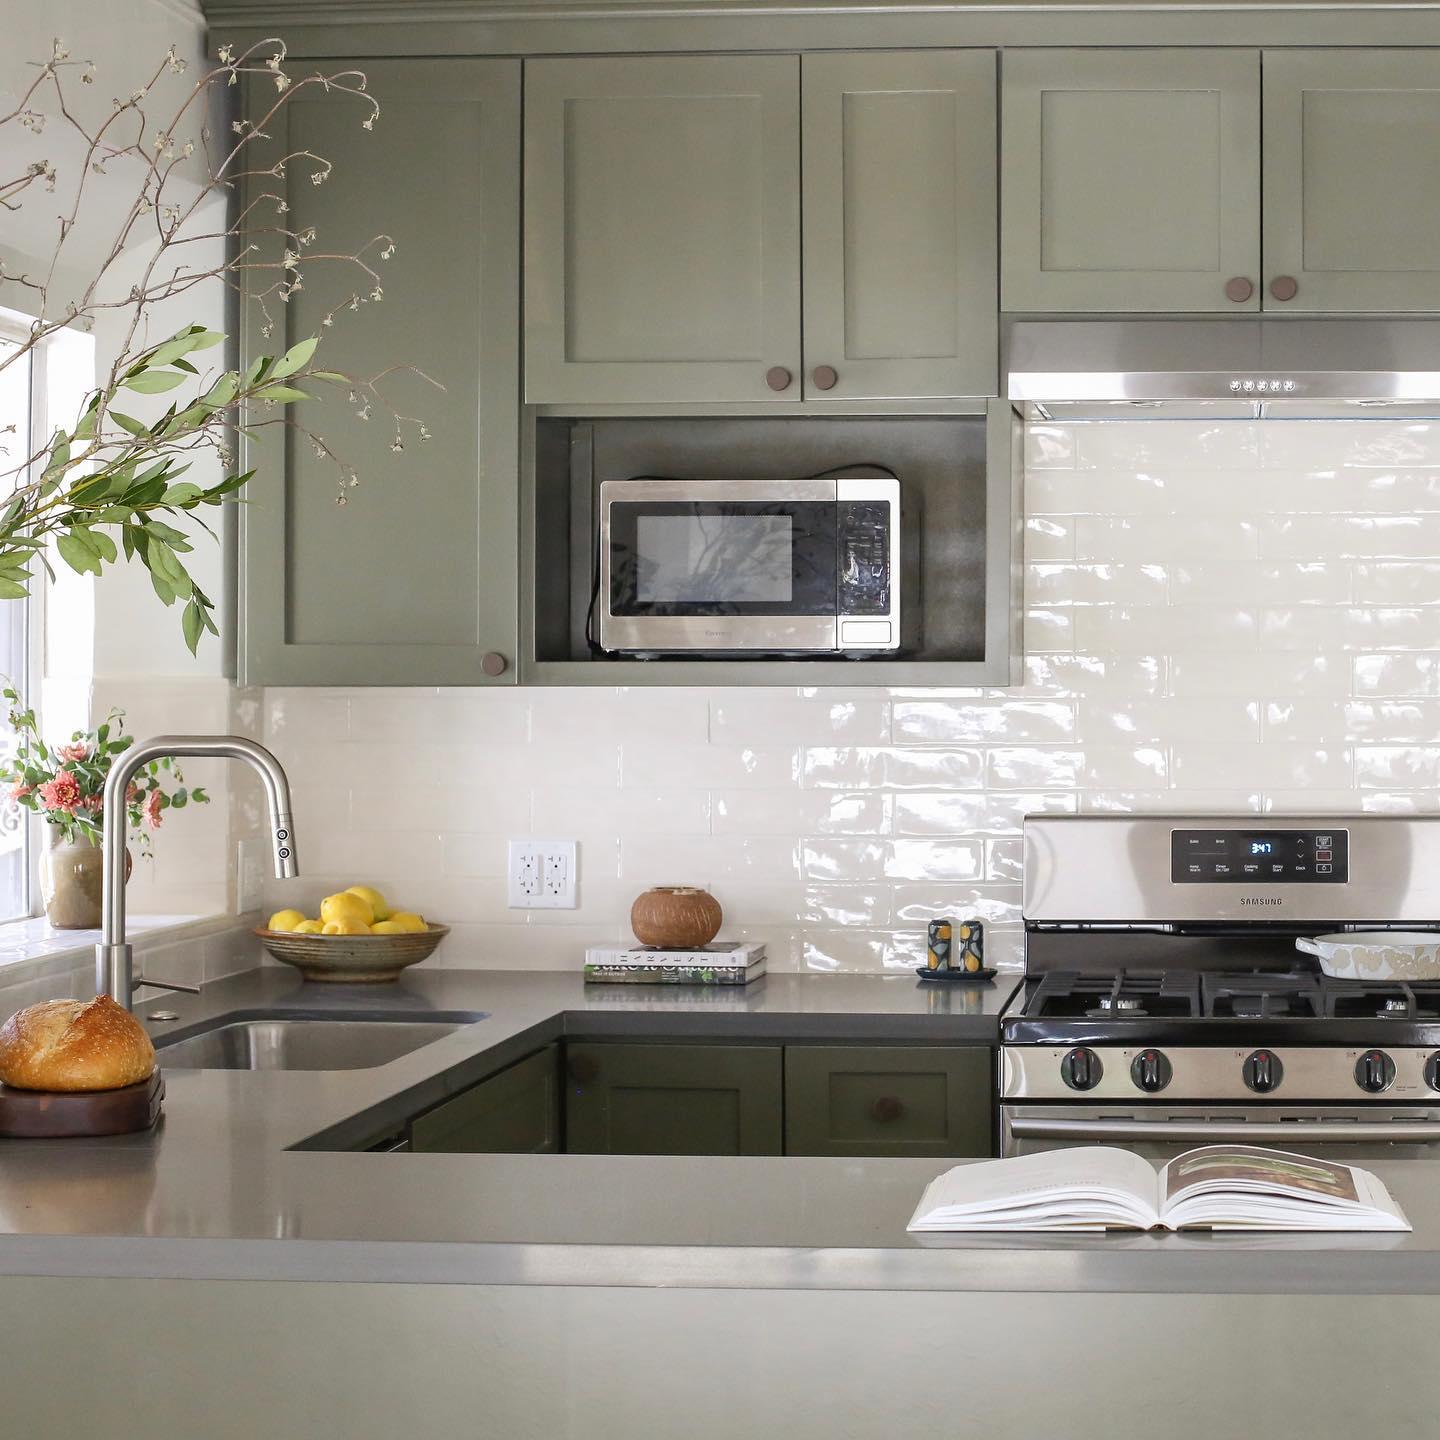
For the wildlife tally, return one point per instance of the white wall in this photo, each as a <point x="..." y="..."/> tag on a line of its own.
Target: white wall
<point x="1229" y="616"/>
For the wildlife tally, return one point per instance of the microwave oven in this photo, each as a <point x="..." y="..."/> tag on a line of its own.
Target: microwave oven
<point x="720" y="567"/>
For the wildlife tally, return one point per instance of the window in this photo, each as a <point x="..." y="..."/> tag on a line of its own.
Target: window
<point x="17" y="401"/>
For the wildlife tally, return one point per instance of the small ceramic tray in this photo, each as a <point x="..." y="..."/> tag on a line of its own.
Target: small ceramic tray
<point x="956" y="977"/>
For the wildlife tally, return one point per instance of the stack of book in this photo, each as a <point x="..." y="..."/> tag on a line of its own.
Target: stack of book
<point x="728" y="962"/>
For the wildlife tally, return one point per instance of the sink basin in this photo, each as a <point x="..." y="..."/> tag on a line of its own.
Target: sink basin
<point x="294" y="1043"/>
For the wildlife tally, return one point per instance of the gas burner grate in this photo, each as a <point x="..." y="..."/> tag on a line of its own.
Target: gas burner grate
<point x="1121" y="995"/>
<point x="1381" y="999"/>
<point x="1262" y="995"/>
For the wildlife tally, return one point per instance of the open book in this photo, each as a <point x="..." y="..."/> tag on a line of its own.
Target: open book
<point x="1217" y="1187"/>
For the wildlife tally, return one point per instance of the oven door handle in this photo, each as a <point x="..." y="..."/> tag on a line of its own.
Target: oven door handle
<point x="1240" y="1132"/>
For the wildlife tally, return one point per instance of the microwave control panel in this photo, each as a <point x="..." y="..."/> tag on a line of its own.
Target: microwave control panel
<point x="864" y="570"/>
<point x="1259" y="857"/>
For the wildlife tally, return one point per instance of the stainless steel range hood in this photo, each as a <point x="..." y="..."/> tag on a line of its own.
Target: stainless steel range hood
<point x="1252" y="368"/>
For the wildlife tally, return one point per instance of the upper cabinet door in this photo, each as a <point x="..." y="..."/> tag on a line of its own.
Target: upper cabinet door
<point x="899" y="193"/>
<point x="1130" y="180"/>
<point x="1352" y="180"/>
<point x="413" y="581"/>
<point x="662" y="229"/>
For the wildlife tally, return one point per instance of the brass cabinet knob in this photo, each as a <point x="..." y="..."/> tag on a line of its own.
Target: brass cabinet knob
<point x="887" y="1109"/>
<point x="1284" y="287"/>
<point x="777" y="377"/>
<point x="825" y="377"/>
<point x="493" y="663"/>
<point x="1239" y="289"/>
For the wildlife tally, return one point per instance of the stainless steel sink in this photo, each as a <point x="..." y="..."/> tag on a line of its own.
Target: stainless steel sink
<point x="295" y="1043"/>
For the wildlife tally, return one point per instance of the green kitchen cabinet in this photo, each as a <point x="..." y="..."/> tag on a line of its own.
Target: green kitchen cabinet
<point x="660" y="1099"/>
<point x="895" y="1100"/>
<point x="413" y="580"/>
<point x="900" y="211"/>
<point x="515" y="1112"/>
<point x="1130" y="180"/>
<point x="1352" y="180"/>
<point x="662" y="228"/>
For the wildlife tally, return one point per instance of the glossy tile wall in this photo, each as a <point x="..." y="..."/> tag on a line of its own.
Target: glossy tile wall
<point x="1227" y="616"/>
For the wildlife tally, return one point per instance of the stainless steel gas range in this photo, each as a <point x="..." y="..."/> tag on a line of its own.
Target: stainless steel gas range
<point x="1165" y="1004"/>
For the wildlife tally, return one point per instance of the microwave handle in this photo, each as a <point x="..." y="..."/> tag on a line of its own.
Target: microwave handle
<point x="1212" y="1132"/>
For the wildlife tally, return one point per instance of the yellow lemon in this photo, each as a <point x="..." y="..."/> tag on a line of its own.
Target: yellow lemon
<point x="346" y="906"/>
<point x="379" y="906"/>
<point x="285" y="920"/>
<point x="387" y="927"/>
<point x="345" y="927"/>
<point x="308" y="927"/>
<point x="409" y="922"/>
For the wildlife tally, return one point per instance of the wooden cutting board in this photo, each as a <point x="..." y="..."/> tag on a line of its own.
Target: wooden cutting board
<point x="44" y="1114"/>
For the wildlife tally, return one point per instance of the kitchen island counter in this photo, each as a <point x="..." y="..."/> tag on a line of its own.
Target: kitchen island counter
<point x="235" y="1182"/>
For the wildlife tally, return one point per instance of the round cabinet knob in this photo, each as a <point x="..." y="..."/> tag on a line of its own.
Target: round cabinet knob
<point x="1081" y="1069"/>
<point x="887" y="1109"/>
<point x="825" y="377"/>
<point x="1262" y="1071"/>
<point x="1375" y="1071"/>
<point x="1284" y="287"/>
<point x="777" y="377"/>
<point x="1239" y="288"/>
<point x="493" y="663"/>
<point x="1432" y="1071"/>
<point x="1151" y="1071"/>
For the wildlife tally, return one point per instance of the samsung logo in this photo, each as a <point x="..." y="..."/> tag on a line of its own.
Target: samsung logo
<point x="1261" y="900"/>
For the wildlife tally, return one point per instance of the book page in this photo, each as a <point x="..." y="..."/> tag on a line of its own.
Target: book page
<point x="1241" y="1187"/>
<point x="1089" y="1187"/>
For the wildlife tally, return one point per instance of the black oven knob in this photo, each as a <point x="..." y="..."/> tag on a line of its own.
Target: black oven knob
<point x="1151" y="1071"/>
<point x="1375" y="1071"/>
<point x="1081" y="1069"/>
<point x="1262" y="1071"/>
<point x="1432" y="1071"/>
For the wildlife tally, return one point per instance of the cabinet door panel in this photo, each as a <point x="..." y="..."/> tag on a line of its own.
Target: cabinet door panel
<point x="514" y="1112"/>
<point x="1130" y="179"/>
<point x="673" y="1099"/>
<point x="661" y="228"/>
<point x="1352" y="178"/>
<point x="900" y="203"/>
<point x="888" y="1100"/>
<point x="414" y="579"/>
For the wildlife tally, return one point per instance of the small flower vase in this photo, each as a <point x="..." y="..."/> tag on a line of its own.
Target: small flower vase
<point x="72" y="881"/>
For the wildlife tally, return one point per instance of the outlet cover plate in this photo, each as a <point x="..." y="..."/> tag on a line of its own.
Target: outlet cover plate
<point x="542" y="875"/>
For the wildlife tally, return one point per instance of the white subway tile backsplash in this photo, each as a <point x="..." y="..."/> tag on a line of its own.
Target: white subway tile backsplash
<point x="1220" y="617"/>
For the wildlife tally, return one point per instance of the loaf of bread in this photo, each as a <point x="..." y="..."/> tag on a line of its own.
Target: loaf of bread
<point x="75" y="1045"/>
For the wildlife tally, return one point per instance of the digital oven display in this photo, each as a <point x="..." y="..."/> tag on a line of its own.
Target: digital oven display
<point x="1260" y="857"/>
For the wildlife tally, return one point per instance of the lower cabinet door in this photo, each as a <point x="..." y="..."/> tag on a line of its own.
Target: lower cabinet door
<point x="673" y="1099"/>
<point x="888" y="1100"/>
<point x="515" y="1112"/>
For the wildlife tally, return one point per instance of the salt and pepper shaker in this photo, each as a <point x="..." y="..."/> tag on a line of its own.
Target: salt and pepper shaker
<point x="944" y="961"/>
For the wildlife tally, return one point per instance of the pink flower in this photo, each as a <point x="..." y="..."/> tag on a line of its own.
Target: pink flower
<point x="152" y="810"/>
<point x="19" y="790"/>
<point x="80" y="751"/>
<point x="93" y="803"/>
<point x="132" y="793"/>
<point x="61" y="793"/>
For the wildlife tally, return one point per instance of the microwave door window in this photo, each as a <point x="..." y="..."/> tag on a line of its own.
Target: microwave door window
<point x="732" y="558"/>
<point x="714" y="559"/>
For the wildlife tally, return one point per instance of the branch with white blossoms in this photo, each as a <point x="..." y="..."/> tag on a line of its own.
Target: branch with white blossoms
<point x="113" y="477"/>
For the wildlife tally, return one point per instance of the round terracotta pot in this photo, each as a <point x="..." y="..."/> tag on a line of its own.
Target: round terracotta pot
<point x="676" y="917"/>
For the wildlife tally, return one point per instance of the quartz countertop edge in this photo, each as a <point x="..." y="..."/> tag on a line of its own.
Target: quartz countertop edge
<point x="225" y="1188"/>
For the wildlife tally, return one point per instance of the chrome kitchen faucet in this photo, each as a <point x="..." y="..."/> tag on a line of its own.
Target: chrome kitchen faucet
<point x="114" y="972"/>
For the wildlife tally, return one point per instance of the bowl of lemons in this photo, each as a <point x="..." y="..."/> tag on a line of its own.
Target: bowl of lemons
<point x="358" y="937"/>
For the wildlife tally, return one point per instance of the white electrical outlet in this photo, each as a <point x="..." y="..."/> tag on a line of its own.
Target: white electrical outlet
<point x="541" y="875"/>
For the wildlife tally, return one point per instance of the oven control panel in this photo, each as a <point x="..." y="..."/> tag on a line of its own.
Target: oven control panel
<point x="1260" y="857"/>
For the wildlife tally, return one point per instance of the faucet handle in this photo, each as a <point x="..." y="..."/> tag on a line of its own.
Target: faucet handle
<point x="164" y="985"/>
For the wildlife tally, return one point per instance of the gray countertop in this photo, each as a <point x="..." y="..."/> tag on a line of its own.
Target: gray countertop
<point x="218" y="1191"/>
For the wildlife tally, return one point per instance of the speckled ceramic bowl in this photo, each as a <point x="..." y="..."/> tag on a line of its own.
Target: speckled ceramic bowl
<point x="1376" y="954"/>
<point x="352" y="959"/>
